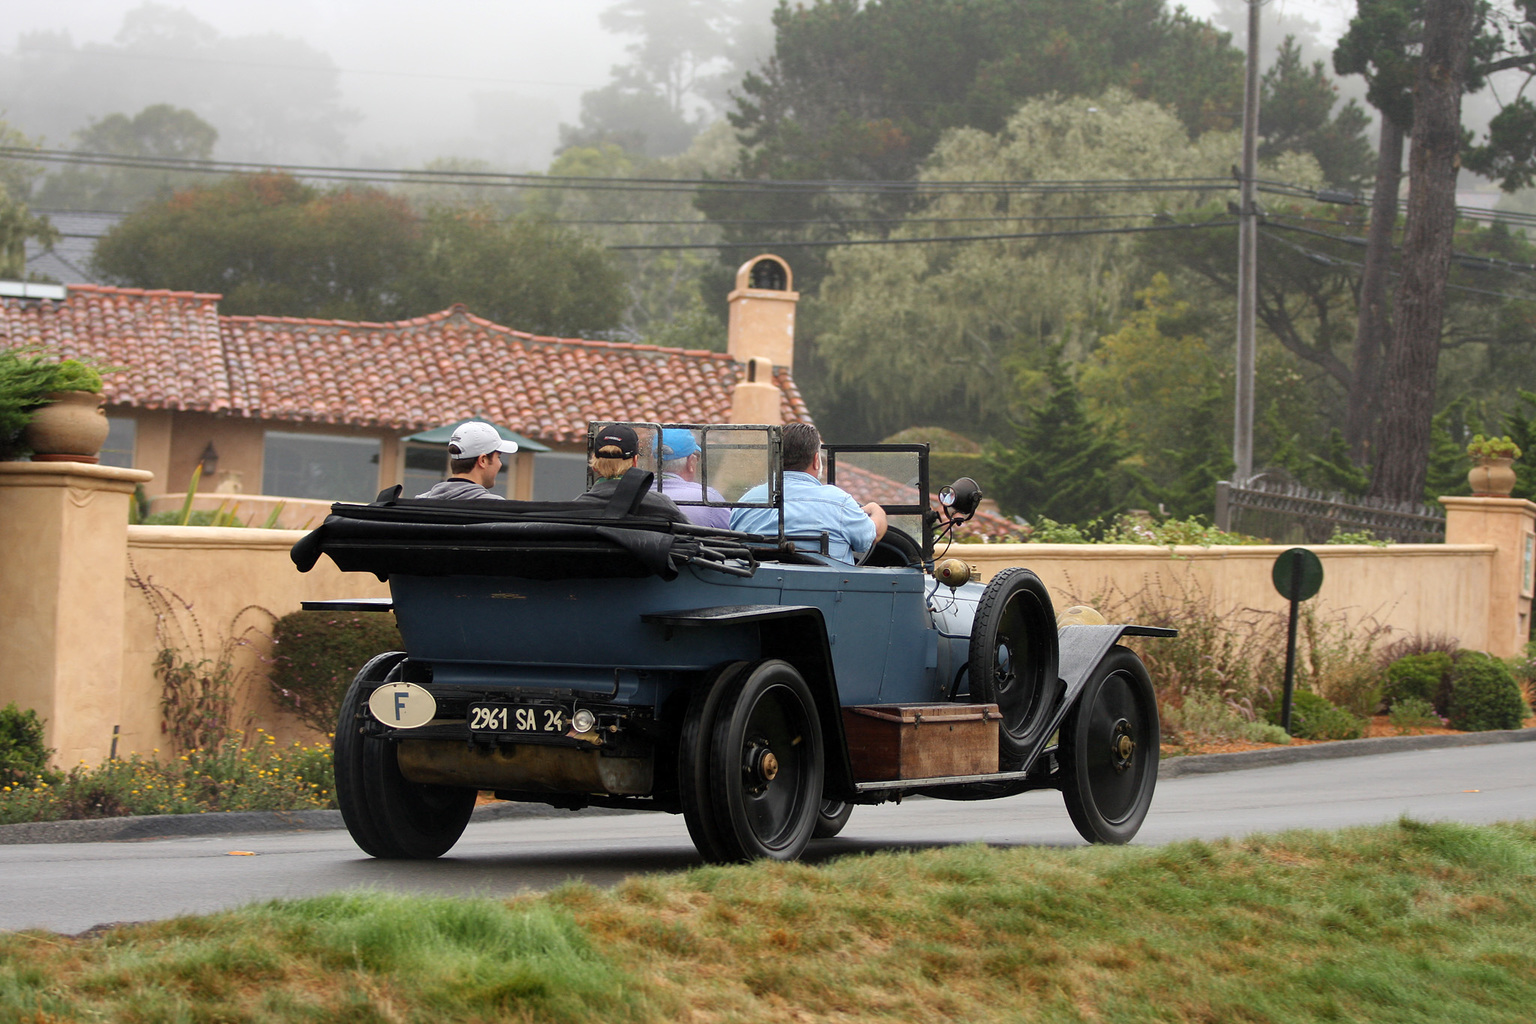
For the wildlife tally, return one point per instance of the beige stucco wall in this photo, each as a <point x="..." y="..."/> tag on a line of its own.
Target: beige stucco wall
<point x="1413" y="588"/>
<point x="235" y="582"/>
<point x="78" y="638"/>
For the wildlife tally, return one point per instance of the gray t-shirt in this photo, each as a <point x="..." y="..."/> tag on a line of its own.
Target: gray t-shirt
<point x="457" y="487"/>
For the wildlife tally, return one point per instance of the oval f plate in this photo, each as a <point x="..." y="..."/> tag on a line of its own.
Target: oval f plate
<point x="402" y="705"/>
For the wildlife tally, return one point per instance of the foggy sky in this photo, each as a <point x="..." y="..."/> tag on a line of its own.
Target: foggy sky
<point x="425" y="78"/>
<point x="414" y="71"/>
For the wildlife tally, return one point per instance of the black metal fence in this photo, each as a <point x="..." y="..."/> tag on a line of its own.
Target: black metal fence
<point x="1288" y="513"/>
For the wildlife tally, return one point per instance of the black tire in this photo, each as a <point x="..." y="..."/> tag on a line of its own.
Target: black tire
<point x="766" y="764"/>
<point x="831" y="818"/>
<point x="1013" y="660"/>
<point x="390" y="817"/>
<point x="693" y="761"/>
<point x="1109" y="750"/>
<point x="347" y="752"/>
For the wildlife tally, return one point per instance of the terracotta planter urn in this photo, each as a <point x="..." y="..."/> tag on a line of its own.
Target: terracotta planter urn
<point x="71" y="428"/>
<point x="1492" y="478"/>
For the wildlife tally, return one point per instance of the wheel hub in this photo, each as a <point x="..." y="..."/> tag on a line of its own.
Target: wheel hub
<point x="760" y="765"/>
<point x="1122" y="745"/>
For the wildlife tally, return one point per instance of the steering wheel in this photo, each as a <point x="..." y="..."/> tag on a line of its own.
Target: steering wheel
<point x="896" y="551"/>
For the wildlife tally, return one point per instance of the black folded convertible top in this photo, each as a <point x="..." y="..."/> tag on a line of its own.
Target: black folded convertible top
<point x="529" y="539"/>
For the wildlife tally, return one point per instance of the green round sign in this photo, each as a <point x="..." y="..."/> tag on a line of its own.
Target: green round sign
<point x="1298" y="574"/>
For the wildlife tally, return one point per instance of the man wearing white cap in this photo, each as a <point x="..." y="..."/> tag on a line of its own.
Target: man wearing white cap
<point x="474" y="457"/>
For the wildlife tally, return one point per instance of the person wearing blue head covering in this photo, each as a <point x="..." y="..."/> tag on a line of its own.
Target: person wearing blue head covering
<point x="679" y="465"/>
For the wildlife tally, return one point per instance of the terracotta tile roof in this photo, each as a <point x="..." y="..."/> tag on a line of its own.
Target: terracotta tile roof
<point x="867" y="486"/>
<point x="171" y="339"/>
<point x="408" y="375"/>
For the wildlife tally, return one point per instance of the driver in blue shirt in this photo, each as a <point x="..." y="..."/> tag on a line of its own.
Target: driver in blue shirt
<point x="810" y="506"/>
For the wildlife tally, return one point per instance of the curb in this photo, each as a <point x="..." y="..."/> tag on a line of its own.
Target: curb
<point x="1207" y="764"/>
<point x="229" y="823"/>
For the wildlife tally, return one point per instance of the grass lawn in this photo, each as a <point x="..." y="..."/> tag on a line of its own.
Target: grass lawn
<point x="1408" y="922"/>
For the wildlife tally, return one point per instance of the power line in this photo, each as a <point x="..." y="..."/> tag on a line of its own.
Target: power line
<point x="922" y="241"/>
<point x="504" y="179"/>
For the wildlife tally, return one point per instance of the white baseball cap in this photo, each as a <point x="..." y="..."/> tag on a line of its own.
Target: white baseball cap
<point x="475" y="438"/>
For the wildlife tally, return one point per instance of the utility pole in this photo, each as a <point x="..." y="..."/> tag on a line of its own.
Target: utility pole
<point x="1247" y="261"/>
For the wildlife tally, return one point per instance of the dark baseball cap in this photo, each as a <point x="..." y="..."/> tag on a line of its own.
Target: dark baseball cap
<point x="615" y="435"/>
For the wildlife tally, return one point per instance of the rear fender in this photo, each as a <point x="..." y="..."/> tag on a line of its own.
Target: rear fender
<point x="796" y="634"/>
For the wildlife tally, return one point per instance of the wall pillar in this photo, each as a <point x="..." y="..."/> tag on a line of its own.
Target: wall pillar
<point x="64" y="552"/>
<point x="1509" y="524"/>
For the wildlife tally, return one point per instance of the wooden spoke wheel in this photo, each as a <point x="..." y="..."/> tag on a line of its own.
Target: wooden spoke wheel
<point x="1109" y="750"/>
<point x="389" y="816"/>
<point x="1013" y="660"/>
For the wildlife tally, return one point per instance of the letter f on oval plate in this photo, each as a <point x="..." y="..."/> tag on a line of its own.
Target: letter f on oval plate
<point x="402" y="705"/>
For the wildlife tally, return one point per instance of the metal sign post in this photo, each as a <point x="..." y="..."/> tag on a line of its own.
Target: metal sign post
<point x="1298" y="575"/>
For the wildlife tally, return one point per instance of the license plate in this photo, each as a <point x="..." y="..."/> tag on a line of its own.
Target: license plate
<point x="535" y="718"/>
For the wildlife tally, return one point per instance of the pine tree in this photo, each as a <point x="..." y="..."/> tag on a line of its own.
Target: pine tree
<point x="1061" y="466"/>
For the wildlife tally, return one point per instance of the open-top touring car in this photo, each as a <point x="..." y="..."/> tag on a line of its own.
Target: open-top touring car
<point x="583" y="654"/>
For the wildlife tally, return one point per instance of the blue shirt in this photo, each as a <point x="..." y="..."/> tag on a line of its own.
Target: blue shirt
<point x="810" y="507"/>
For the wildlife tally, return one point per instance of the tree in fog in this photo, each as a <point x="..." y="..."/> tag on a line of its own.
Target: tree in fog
<point x="864" y="91"/>
<point x="273" y="245"/>
<point x="17" y="223"/>
<point x="156" y="131"/>
<point x="271" y="97"/>
<point x="685" y="56"/>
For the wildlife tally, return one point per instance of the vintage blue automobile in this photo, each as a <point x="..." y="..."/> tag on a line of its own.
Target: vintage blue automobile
<point x="581" y="654"/>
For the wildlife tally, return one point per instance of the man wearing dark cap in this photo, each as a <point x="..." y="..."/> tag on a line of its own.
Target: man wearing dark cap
<point x="616" y="453"/>
<point x="474" y="458"/>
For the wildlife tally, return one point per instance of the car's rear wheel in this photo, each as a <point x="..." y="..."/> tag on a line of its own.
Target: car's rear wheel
<point x="347" y="753"/>
<point x="766" y="764"/>
<point x="1013" y="660"/>
<point x="389" y="816"/>
<point x="1109" y="750"/>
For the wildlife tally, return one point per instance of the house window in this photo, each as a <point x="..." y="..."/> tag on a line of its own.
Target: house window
<point x="559" y="476"/>
<point x="322" y="466"/>
<point x="425" y="465"/>
<point x="117" y="450"/>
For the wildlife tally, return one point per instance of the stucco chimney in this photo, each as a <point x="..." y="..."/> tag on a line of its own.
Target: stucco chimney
<point x="756" y="397"/>
<point x="762" y="312"/>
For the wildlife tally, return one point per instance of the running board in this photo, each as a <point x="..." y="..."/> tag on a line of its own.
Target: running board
<point x="943" y="780"/>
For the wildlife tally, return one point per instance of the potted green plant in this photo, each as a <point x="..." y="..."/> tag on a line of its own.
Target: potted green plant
<point x="26" y="375"/>
<point x="1493" y="466"/>
<point x="70" y="424"/>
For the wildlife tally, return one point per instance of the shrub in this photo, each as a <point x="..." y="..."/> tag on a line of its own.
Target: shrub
<point x="316" y="655"/>
<point x="1412" y="713"/>
<point x="233" y="776"/>
<point x="23" y="758"/>
<point x="1424" y="677"/>
<point x="1484" y="695"/>
<point x="1208" y="719"/>
<point x="1314" y="718"/>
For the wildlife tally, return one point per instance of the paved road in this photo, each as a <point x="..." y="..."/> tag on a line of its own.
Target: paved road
<point x="69" y="887"/>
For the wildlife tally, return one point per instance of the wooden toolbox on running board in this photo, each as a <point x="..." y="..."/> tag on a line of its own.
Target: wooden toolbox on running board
<point x="921" y="741"/>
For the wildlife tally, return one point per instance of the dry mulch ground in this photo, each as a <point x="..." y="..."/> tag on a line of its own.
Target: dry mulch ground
<point x="1379" y="726"/>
